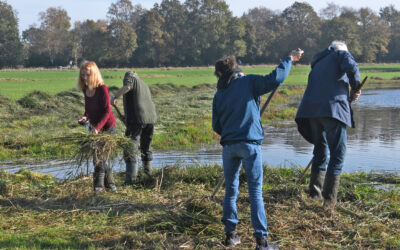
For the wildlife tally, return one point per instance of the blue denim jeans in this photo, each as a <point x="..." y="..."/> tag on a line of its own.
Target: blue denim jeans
<point x="250" y="156"/>
<point x="329" y="135"/>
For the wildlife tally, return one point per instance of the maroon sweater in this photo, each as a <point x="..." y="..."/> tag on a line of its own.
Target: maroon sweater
<point x="98" y="109"/>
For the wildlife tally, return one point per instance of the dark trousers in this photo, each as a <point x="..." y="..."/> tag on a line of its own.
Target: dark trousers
<point x="330" y="137"/>
<point x="142" y="133"/>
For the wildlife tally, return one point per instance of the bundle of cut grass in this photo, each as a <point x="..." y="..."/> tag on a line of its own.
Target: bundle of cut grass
<point x="98" y="148"/>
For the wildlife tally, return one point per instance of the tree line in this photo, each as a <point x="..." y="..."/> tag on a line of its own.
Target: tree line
<point x="194" y="33"/>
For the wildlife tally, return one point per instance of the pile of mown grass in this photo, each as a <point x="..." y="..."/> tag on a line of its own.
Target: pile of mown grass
<point x="103" y="147"/>
<point x="30" y="124"/>
<point x="174" y="210"/>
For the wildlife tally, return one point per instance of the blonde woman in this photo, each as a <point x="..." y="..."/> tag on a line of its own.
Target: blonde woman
<point x="99" y="114"/>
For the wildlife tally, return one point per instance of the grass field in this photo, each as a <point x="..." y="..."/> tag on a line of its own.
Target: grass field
<point x="17" y="83"/>
<point x="174" y="210"/>
<point x="39" y="105"/>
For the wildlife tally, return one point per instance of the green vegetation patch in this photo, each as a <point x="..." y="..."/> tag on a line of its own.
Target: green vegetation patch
<point x="174" y="210"/>
<point x="40" y="125"/>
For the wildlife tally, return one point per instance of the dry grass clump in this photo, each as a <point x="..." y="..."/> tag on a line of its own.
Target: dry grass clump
<point x="96" y="148"/>
<point x="102" y="147"/>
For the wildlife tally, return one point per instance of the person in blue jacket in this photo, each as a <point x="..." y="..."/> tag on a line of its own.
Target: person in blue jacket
<point x="236" y="118"/>
<point x="323" y="115"/>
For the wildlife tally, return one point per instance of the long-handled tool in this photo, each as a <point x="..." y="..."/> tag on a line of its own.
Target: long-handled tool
<point x="222" y="178"/>
<point x="310" y="163"/>
<point x="120" y="116"/>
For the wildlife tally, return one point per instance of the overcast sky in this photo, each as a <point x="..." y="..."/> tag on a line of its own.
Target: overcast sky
<point x="80" y="10"/>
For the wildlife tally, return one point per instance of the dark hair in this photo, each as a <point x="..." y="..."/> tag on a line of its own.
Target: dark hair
<point x="224" y="64"/>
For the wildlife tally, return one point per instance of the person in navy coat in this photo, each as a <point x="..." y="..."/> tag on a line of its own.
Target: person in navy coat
<point x="324" y="114"/>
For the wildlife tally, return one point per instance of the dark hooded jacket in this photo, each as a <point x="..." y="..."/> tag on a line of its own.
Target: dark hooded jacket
<point x="138" y="105"/>
<point x="327" y="92"/>
<point x="236" y="104"/>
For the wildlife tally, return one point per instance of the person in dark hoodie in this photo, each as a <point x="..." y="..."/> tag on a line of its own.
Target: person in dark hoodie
<point x="236" y="118"/>
<point x="323" y="115"/>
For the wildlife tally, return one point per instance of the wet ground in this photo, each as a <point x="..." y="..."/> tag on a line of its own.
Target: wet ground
<point x="372" y="146"/>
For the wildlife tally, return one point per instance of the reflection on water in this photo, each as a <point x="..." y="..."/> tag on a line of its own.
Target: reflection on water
<point x="380" y="98"/>
<point x="65" y="169"/>
<point x="372" y="146"/>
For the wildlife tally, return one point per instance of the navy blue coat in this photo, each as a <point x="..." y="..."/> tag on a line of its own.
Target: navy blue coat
<point x="236" y="108"/>
<point x="327" y="92"/>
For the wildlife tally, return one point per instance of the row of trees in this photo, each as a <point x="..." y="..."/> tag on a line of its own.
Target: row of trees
<point x="196" y="32"/>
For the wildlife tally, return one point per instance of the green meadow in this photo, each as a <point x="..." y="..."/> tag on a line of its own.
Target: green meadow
<point x="17" y="83"/>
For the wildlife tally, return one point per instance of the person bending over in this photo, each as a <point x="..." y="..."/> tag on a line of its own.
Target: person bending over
<point x="323" y="115"/>
<point x="100" y="116"/>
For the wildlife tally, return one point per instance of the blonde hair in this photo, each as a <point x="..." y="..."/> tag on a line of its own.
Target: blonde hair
<point x="95" y="78"/>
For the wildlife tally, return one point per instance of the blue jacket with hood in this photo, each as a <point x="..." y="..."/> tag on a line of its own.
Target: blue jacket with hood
<point x="236" y="105"/>
<point x="327" y="92"/>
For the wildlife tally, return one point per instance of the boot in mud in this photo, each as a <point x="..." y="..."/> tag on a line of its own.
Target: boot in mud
<point x="316" y="183"/>
<point x="98" y="179"/>
<point x="131" y="172"/>
<point x="148" y="169"/>
<point x="331" y="188"/>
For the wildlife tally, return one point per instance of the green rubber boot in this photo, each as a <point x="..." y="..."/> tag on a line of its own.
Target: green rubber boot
<point x="316" y="183"/>
<point x="331" y="188"/>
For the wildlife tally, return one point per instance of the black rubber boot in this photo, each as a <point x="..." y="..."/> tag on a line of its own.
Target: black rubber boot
<point x="262" y="244"/>
<point x="131" y="172"/>
<point x="148" y="169"/>
<point x="331" y="188"/>
<point x="98" y="179"/>
<point x="232" y="239"/>
<point x="316" y="183"/>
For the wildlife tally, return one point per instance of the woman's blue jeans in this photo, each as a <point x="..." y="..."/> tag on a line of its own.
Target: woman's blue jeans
<point x="329" y="135"/>
<point x="249" y="155"/>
